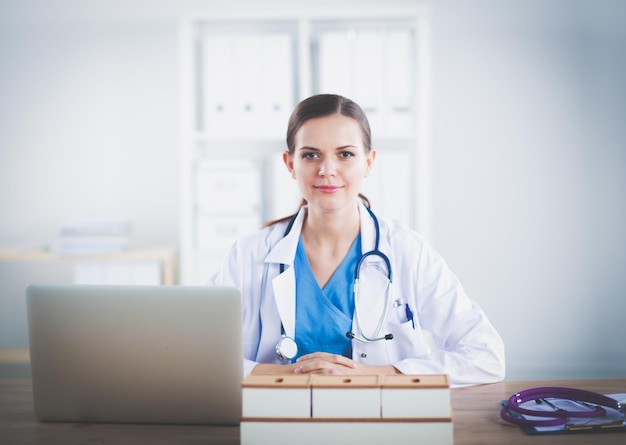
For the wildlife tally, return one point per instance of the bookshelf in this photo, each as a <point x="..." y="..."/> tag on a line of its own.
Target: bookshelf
<point x="241" y="74"/>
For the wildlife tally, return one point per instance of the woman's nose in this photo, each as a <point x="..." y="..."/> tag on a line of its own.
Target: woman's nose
<point x="328" y="168"/>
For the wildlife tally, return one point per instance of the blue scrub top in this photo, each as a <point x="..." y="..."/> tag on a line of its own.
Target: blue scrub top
<point x="323" y="316"/>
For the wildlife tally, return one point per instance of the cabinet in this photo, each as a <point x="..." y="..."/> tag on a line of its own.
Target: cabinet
<point x="145" y="266"/>
<point x="156" y="265"/>
<point x="241" y="75"/>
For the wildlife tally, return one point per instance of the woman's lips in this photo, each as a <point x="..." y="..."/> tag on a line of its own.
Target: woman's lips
<point x="327" y="188"/>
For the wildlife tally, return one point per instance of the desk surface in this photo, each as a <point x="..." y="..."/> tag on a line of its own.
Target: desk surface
<point x="475" y="411"/>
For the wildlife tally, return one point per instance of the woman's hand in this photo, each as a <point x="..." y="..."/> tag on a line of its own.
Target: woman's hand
<point x="335" y="364"/>
<point x="323" y="363"/>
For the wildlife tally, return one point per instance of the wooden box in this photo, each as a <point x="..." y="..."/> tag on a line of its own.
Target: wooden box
<point x="415" y="397"/>
<point x="285" y="396"/>
<point x="345" y="397"/>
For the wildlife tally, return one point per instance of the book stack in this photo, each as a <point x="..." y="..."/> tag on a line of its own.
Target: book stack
<point x="94" y="237"/>
<point x="403" y="409"/>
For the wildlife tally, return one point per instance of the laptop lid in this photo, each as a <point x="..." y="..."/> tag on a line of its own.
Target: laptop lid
<point x="136" y="354"/>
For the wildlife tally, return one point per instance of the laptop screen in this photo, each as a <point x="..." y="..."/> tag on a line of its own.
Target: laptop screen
<point x="136" y="354"/>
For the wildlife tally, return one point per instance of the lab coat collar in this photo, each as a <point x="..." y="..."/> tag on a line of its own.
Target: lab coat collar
<point x="368" y="230"/>
<point x="284" y="251"/>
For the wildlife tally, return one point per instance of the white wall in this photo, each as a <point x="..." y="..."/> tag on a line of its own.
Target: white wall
<point x="530" y="175"/>
<point x="88" y="127"/>
<point x="529" y="153"/>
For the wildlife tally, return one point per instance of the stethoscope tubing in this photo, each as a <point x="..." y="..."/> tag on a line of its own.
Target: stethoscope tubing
<point x="374" y="252"/>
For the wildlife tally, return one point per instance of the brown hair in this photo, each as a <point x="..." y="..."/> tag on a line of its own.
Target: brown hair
<point x="322" y="105"/>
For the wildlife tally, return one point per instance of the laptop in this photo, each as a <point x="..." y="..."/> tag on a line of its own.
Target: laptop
<point x="136" y="354"/>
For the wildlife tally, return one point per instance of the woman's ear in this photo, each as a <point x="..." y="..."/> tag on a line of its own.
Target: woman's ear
<point x="288" y="160"/>
<point x="369" y="161"/>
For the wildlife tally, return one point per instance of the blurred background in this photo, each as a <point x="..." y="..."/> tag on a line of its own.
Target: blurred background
<point x="517" y="153"/>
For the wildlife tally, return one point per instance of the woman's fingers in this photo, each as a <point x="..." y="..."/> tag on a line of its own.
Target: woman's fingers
<point x="324" y="363"/>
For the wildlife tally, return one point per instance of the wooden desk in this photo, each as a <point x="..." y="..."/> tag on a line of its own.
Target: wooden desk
<point x="475" y="410"/>
<point x="476" y="414"/>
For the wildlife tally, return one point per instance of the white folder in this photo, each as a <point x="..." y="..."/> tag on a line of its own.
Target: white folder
<point x="217" y="106"/>
<point x="247" y="77"/>
<point x="335" y="63"/>
<point x="277" y="80"/>
<point x="400" y="60"/>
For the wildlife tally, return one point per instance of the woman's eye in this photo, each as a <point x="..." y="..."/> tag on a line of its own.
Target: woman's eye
<point x="309" y="155"/>
<point x="346" y="154"/>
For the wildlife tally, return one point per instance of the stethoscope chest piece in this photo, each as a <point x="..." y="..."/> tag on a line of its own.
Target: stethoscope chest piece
<point x="286" y="348"/>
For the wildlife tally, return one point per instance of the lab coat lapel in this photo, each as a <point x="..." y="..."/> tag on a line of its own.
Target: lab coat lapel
<point x="284" y="292"/>
<point x="368" y="230"/>
<point x="284" y="284"/>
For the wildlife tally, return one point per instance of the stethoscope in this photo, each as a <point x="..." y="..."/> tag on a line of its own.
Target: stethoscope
<point x="593" y="403"/>
<point x="287" y="349"/>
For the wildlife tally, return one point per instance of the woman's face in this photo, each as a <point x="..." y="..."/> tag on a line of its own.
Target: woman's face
<point x="329" y="161"/>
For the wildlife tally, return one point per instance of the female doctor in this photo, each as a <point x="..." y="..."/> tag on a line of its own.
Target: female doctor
<point x="335" y="289"/>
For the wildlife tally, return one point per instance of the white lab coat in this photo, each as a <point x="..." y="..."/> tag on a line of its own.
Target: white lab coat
<point x="463" y="342"/>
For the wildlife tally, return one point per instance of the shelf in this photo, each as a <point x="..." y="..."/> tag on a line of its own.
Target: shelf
<point x="13" y="356"/>
<point x="167" y="256"/>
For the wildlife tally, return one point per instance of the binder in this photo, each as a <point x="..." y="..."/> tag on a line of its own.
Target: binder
<point x="400" y="60"/>
<point x="217" y="108"/>
<point x="247" y="95"/>
<point x="335" y="63"/>
<point x="277" y="80"/>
